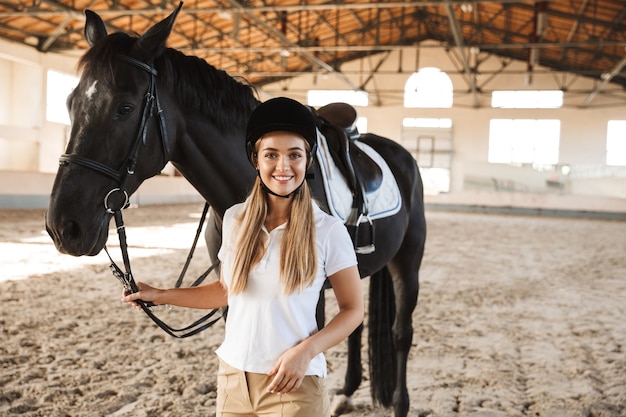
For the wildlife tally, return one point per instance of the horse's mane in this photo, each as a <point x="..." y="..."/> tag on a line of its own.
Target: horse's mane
<point x="199" y="86"/>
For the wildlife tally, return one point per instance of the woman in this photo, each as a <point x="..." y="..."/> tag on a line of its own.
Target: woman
<point x="278" y="248"/>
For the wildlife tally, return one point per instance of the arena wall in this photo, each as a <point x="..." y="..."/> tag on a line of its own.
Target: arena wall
<point x="30" y="145"/>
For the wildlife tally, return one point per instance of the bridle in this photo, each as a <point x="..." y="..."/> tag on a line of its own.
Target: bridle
<point x="151" y="108"/>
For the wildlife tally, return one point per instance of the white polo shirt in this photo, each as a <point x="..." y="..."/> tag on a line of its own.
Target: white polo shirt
<point x="263" y="322"/>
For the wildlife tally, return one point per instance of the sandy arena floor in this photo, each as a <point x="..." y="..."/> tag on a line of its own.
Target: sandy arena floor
<point x="517" y="316"/>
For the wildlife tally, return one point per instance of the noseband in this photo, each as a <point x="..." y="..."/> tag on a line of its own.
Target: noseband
<point x="151" y="107"/>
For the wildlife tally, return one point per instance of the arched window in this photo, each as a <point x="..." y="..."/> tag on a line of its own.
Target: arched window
<point x="429" y="87"/>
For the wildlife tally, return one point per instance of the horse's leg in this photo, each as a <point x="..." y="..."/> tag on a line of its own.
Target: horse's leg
<point x="404" y="270"/>
<point x="406" y="289"/>
<point x="354" y="375"/>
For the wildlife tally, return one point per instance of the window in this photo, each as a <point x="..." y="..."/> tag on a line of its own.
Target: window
<point x="59" y="87"/>
<point x="318" y="98"/>
<point x="428" y="88"/>
<point x="426" y="122"/>
<point x="616" y="143"/>
<point x="524" y="141"/>
<point x="429" y="140"/>
<point x="527" y="99"/>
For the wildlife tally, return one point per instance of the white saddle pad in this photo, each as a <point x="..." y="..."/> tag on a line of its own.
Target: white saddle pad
<point x="386" y="201"/>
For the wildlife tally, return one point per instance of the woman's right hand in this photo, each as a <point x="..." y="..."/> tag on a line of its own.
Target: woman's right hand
<point x="146" y="293"/>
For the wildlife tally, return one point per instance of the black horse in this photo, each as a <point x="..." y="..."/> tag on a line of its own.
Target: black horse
<point x="140" y="104"/>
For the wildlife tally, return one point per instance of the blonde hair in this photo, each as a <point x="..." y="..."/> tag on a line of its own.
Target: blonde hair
<point x="298" y="250"/>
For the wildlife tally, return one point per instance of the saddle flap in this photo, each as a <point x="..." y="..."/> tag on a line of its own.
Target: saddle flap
<point x="341" y="197"/>
<point x="368" y="172"/>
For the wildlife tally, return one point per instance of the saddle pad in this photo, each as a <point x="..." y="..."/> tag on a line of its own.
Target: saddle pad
<point x="386" y="201"/>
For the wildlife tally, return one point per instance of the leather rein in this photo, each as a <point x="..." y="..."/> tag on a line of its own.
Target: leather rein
<point x="151" y="108"/>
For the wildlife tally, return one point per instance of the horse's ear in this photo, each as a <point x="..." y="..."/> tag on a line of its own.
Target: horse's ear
<point x="152" y="43"/>
<point x="94" y="28"/>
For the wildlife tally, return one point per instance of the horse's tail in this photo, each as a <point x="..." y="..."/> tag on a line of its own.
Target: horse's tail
<point x="382" y="352"/>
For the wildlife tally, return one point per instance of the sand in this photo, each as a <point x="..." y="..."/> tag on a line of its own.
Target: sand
<point x="517" y="316"/>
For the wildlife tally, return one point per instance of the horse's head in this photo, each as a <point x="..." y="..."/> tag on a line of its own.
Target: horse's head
<point x="119" y="135"/>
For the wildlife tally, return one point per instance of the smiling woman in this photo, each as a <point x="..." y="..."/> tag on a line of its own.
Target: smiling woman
<point x="281" y="140"/>
<point x="278" y="250"/>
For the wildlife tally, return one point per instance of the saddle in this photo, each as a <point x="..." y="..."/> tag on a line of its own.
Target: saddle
<point x="364" y="176"/>
<point x="339" y="128"/>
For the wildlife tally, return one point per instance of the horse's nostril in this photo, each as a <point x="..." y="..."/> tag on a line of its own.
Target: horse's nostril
<point x="70" y="231"/>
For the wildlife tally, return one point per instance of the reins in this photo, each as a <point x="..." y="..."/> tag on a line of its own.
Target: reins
<point x="152" y="107"/>
<point x="126" y="278"/>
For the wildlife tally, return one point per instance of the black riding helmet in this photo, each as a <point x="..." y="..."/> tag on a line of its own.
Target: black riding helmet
<point x="281" y="114"/>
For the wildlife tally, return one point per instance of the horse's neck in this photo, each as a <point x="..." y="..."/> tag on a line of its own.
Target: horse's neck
<point x="215" y="163"/>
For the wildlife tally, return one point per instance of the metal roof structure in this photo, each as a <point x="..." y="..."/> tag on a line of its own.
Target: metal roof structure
<point x="270" y="40"/>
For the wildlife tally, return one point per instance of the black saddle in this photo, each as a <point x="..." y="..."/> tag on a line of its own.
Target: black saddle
<point x="339" y="128"/>
<point x="364" y="175"/>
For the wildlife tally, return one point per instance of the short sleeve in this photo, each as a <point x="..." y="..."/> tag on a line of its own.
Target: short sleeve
<point x="227" y="231"/>
<point x="339" y="250"/>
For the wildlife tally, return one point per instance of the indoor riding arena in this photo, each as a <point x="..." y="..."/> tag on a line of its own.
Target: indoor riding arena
<point x="514" y="112"/>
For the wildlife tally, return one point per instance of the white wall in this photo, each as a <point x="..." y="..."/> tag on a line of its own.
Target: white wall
<point x="32" y="190"/>
<point x="28" y="143"/>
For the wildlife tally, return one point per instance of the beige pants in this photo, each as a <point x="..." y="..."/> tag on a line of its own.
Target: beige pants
<point x="245" y="394"/>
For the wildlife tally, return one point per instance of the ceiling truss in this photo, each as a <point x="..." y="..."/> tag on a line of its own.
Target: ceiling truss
<point x="274" y="40"/>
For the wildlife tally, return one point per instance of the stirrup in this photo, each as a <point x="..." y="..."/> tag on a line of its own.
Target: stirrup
<point x="370" y="247"/>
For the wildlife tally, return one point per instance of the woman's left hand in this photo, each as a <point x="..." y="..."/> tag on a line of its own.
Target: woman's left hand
<point x="289" y="370"/>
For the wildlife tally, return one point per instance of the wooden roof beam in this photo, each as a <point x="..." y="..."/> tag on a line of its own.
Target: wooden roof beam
<point x="458" y="40"/>
<point x="287" y="43"/>
<point x="606" y="78"/>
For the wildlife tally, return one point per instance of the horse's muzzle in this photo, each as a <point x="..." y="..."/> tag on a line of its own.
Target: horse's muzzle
<point x="71" y="238"/>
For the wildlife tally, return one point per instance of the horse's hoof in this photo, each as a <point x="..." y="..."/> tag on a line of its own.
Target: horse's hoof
<point x="342" y="404"/>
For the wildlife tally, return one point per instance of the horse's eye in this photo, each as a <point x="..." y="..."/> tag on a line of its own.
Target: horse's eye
<point x="124" y="110"/>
